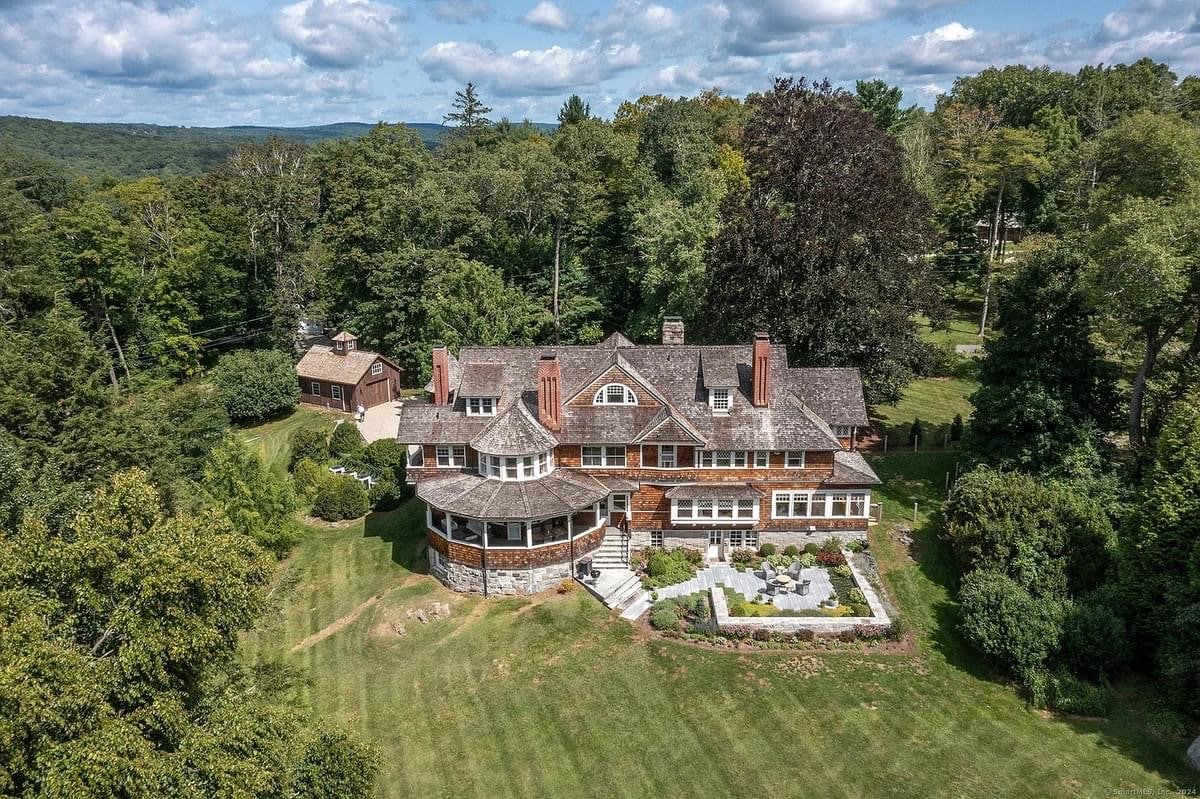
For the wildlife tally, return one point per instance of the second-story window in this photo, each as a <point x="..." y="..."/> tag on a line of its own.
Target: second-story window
<point x="614" y="394"/>
<point x="481" y="406"/>
<point x="762" y="458"/>
<point x="666" y="456"/>
<point x="723" y="459"/>
<point x="451" y="456"/>
<point x="843" y="431"/>
<point x="377" y="368"/>
<point x="795" y="459"/>
<point x="603" y="456"/>
<point x="721" y="398"/>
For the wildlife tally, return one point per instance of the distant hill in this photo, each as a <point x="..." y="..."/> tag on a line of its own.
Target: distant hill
<point x="124" y="150"/>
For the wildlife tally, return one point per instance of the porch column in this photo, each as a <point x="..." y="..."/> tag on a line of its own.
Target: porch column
<point x="483" y="561"/>
<point x="528" y="534"/>
<point x="449" y="537"/>
<point x="571" y="542"/>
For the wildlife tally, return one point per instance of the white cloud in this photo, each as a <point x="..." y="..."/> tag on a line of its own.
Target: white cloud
<point x="528" y="71"/>
<point x="548" y="17"/>
<point x="461" y="11"/>
<point x="339" y="34"/>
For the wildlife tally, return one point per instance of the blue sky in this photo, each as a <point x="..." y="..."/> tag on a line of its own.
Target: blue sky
<point x="300" y="62"/>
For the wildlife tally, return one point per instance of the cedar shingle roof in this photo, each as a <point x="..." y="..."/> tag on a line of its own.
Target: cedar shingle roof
<point x="802" y="406"/>
<point x="514" y="432"/>
<point x="718" y="367"/>
<point x="704" y="490"/>
<point x="851" y="468"/>
<point x="556" y="494"/>
<point x="321" y="363"/>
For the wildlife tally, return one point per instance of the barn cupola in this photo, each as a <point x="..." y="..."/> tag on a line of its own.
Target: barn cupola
<point x="344" y="342"/>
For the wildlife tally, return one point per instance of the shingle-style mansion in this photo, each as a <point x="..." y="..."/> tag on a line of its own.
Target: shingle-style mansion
<point x="531" y="459"/>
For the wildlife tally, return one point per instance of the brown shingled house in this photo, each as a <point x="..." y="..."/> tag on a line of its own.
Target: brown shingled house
<point x="530" y="460"/>
<point x="341" y="376"/>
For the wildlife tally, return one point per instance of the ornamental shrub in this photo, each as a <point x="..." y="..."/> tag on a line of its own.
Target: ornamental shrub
<point x="1062" y="691"/>
<point x="1094" y="640"/>
<point x="307" y="477"/>
<point x="256" y="384"/>
<point x="808" y="560"/>
<point x="791" y="550"/>
<point x="766" y="550"/>
<point x="667" y="568"/>
<point x="663" y="616"/>
<point x="1003" y="621"/>
<point x="811" y="549"/>
<point x="346" y="441"/>
<point x="386" y="460"/>
<point x="312" y="445"/>
<point x="742" y="555"/>
<point x="340" y="497"/>
<point x="860" y="609"/>
<point x="915" y="433"/>
<point x="956" y="428"/>
<point x="831" y="557"/>
<point x="857" y="597"/>
<point x="385" y="495"/>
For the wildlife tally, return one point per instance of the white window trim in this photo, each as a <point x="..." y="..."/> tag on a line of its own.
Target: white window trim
<point x="787" y="456"/>
<point x="820" y="504"/>
<point x="377" y="368"/>
<point x="316" y="388"/>
<point x="844" y="431"/>
<point x="766" y="458"/>
<point x="726" y="393"/>
<point x="456" y="456"/>
<point x="335" y="392"/>
<point x="714" y="509"/>
<point x="674" y="456"/>
<point x="710" y="455"/>
<point x="604" y="456"/>
<point x="476" y="406"/>
<point x="601" y="396"/>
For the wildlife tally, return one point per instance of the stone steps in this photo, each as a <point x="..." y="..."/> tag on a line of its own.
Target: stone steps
<point x="615" y="587"/>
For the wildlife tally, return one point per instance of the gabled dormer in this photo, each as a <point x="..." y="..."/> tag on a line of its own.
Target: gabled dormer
<point x="718" y="371"/>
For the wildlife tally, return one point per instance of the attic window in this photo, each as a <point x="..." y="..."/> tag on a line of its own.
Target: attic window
<point x="338" y="345"/>
<point x="349" y="345"/>
<point x="843" y="431"/>
<point x="377" y="368"/>
<point x="614" y="394"/>
<point x="720" y="399"/>
<point x="481" y="406"/>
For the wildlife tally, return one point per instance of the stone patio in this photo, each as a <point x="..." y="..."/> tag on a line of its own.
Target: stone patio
<point x="750" y="584"/>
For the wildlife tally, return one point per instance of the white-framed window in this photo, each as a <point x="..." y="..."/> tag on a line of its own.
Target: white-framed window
<point x="377" y="368"/>
<point x="525" y="467"/>
<point x="791" y="504"/>
<point x="858" y="504"/>
<point x="543" y="463"/>
<point x="481" y="406"/>
<point x="335" y="392"/>
<point x="666" y="456"/>
<point x="339" y="345"/>
<point x="450" y="456"/>
<point x="618" y="502"/>
<point x="614" y="394"/>
<point x="843" y="431"/>
<point x="794" y="459"/>
<point x="723" y="459"/>
<point x="839" y="504"/>
<point x="752" y="539"/>
<point x="762" y="458"/>
<point x="316" y="388"/>
<point x="721" y="399"/>
<point x="605" y="456"/>
<point x="528" y="466"/>
<point x="656" y="539"/>
<point x="350" y="345"/>
<point x="719" y="508"/>
<point x="735" y="538"/>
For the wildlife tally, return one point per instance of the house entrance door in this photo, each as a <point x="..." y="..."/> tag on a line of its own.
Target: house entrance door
<point x="714" y="545"/>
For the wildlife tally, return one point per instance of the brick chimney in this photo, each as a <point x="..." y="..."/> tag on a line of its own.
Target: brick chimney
<point x="441" y="375"/>
<point x="549" y="376"/>
<point x="672" y="330"/>
<point x="761" y="369"/>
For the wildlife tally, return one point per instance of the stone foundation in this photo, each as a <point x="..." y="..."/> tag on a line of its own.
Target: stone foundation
<point x="698" y="539"/>
<point x="516" y="572"/>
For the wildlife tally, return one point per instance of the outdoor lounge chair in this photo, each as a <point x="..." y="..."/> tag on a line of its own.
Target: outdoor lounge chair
<point x="768" y="571"/>
<point x="794" y="570"/>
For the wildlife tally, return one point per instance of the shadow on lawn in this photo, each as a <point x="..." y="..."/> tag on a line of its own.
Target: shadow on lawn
<point x="404" y="529"/>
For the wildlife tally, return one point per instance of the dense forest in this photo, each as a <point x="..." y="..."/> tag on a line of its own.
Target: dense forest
<point x="138" y="534"/>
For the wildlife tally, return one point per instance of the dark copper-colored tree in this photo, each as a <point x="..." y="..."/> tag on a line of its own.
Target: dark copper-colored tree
<point x="827" y="248"/>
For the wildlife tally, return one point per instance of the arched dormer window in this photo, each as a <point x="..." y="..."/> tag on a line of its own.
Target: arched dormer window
<point x="614" y="394"/>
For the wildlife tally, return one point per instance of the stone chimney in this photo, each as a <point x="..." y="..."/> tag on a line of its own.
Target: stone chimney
<point x="672" y="330"/>
<point x="441" y="374"/>
<point x="549" y="376"/>
<point x="761" y="369"/>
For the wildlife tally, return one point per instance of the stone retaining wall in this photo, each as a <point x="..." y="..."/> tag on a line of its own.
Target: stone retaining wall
<point x="698" y="539"/>
<point x="510" y="571"/>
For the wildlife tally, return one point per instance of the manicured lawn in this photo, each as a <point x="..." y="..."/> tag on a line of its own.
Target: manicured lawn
<point x="271" y="439"/>
<point x="934" y="400"/>
<point x="554" y="696"/>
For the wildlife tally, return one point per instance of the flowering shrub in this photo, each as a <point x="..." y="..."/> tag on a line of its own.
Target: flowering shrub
<point x="831" y="557"/>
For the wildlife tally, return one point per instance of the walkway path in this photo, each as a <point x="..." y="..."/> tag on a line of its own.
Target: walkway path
<point x="750" y="584"/>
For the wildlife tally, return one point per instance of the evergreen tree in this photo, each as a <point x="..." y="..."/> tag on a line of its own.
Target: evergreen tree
<point x="1043" y="385"/>
<point x="574" y="111"/>
<point x="469" y="112"/>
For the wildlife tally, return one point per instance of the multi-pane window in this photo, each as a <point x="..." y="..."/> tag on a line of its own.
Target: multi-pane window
<point x="858" y="504"/>
<point x="528" y="467"/>
<point x="656" y="538"/>
<point x="543" y="463"/>
<point x="316" y="388"/>
<point x="449" y="456"/>
<point x="752" y="538"/>
<point x="723" y="459"/>
<point x="762" y="458"/>
<point x="791" y="504"/>
<point x="481" y="406"/>
<point x="525" y="467"/>
<point x="719" y="508"/>
<point x="377" y="368"/>
<point x="721" y="398"/>
<point x="838" y="505"/>
<point x="666" y="456"/>
<point x="794" y="459"/>
<point x="335" y="392"/>
<point x="843" y="431"/>
<point x="603" y="456"/>
<point x="510" y="468"/>
<point x="614" y="394"/>
<point x="735" y="538"/>
<point x="619" y="502"/>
